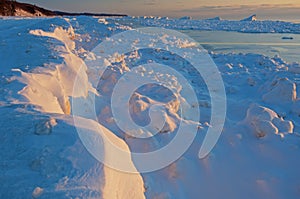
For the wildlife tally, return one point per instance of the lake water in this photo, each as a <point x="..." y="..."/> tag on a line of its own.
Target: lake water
<point x="269" y="44"/>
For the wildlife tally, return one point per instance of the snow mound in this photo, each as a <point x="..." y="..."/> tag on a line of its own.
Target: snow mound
<point x="149" y="99"/>
<point x="140" y="106"/>
<point x="103" y="21"/>
<point x="281" y="90"/>
<point x="251" y="18"/>
<point x="264" y="121"/>
<point x="37" y="192"/>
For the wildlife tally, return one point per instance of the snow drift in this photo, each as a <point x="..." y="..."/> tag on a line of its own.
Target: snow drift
<point x="50" y="88"/>
<point x="264" y="122"/>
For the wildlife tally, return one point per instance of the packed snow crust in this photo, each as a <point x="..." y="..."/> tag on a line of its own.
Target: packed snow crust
<point x="41" y="152"/>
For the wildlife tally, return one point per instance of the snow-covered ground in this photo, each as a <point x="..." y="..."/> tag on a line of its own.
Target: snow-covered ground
<point x="42" y="155"/>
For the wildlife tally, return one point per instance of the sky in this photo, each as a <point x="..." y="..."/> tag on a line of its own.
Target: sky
<point x="227" y="9"/>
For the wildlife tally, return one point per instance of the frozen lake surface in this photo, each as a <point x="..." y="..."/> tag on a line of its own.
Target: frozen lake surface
<point x="269" y="38"/>
<point x="269" y="44"/>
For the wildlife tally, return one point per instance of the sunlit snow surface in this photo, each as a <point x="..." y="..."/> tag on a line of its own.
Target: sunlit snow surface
<point x="41" y="155"/>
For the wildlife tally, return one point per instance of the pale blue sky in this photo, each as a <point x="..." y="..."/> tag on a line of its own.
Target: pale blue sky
<point x="230" y="9"/>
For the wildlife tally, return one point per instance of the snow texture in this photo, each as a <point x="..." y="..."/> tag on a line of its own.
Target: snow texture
<point x="42" y="156"/>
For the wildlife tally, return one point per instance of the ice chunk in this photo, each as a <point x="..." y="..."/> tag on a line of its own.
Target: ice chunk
<point x="251" y="18"/>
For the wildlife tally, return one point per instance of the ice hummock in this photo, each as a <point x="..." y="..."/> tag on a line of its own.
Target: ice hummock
<point x="251" y="18"/>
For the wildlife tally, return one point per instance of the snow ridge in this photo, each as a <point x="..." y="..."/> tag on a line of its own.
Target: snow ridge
<point x="50" y="88"/>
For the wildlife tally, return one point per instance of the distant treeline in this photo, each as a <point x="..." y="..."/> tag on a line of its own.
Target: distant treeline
<point x="7" y="7"/>
<point x="10" y="8"/>
<point x="59" y="13"/>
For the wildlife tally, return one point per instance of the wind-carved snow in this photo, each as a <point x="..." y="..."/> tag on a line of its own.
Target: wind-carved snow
<point x="117" y="184"/>
<point x="265" y="122"/>
<point x="49" y="90"/>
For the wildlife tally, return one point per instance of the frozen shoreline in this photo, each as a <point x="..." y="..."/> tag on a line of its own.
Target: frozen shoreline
<point x="215" y="25"/>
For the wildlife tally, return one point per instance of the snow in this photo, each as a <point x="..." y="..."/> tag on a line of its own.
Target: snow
<point x="42" y="153"/>
<point x="264" y="121"/>
<point x="45" y="127"/>
<point x="37" y="192"/>
<point x="251" y="18"/>
<point x="281" y="91"/>
<point x="49" y="88"/>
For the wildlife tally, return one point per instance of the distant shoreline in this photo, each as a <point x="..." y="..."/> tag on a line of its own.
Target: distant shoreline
<point x="14" y="8"/>
<point x="61" y="13"/>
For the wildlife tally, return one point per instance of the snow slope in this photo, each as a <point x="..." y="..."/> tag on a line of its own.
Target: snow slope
<point x="41" y="152"/>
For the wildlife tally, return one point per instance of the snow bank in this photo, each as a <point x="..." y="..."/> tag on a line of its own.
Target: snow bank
<point x="264" y="122"/>
<point x="280" y="91"/>
<point x="104" y="143"/>
<point x="49" y="88"/>
<point x="140" y="107"/>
